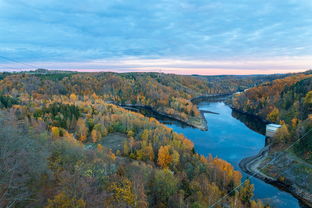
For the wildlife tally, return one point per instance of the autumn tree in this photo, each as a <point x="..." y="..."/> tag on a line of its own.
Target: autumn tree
<point x="282" y="134"/>
<point x="73" y="97"/>
<point x="165" y="185"/>
<point x="61" y="200"/>
<point x="122" y="192"/>
<point x="55" y="131"/>
<point x="164" y="157"/>
<point x="126" y="149"/>
<point x="145" y="153"/>
<point x="273" y="115"/>
<point x="82" y="130"/>
<point x="23" y="163"/>
<point x="246" y="191"/>
<point x="95" y="135"/>
<point x="308" y="100"/>
<point x="175" y="157"/>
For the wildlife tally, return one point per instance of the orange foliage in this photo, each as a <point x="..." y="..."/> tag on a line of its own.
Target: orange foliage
<point x="164" y="157"/>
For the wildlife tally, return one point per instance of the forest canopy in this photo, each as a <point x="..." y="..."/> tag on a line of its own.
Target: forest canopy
<point x="285" y="101"/>
<point x="67" y="144"/>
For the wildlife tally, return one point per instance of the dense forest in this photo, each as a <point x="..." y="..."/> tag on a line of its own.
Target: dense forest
<point x="54" y="153"/>
<point x="169" y="94"/>
<point x="64" y="145"/>
<point x="286" y="101"/>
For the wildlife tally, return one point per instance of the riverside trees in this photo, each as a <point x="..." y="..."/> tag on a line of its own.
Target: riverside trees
<point x="54" y="153"/>
<point x="155" y="167"/>
<point x="288" y="102"/>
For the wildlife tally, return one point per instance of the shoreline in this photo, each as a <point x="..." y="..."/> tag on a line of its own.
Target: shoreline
<point x="249" y="114"/>
<point x="203" y="126"/>
<point x="250" y="165"/>
<point x="203" y="123"/>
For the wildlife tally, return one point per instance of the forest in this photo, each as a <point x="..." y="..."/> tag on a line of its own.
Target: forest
<point x="168" y="94"/>
<point x="288" y="102"/>
<point x="64" y="144"/>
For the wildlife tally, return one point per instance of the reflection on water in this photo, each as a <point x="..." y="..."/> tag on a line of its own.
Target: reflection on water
<point x="251" y="122"/>
<point x="233" y="137"/>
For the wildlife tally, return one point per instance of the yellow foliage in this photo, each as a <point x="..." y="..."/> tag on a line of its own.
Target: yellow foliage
<point x="61" y="200"/>
<point x="55" y="131"/>
<point x="73" y="97"/>
<point x="273" y="116"/>
<point x="130" y="133"/>
<point x="164" y="157"/>
<point x="294" y="122"/>
<point x="94" y="135"/>
<point x="113" y="156"/>
<point x="122" y="192"/>
<point x="175" y="157"/>
<point x="99" y="147"/>
<point x="308" y="98"/>
<point x="282" y="135"/>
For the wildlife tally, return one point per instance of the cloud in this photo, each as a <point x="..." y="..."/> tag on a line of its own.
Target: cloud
<point x="83" y="31"/>
<point x="178" y="66"/>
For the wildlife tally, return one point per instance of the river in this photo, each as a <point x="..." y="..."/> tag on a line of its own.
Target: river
<point x="232" y="137"/>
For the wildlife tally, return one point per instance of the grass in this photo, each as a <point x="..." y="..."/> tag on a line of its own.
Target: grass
<point x="114" y="141"/>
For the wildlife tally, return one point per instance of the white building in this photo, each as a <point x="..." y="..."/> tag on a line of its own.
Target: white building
<point x="271" y="129"/>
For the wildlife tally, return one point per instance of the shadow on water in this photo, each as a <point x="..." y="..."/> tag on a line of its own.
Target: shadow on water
<point x="148" y="112"/>
<point x="252" y="122"/>
<point x="232" y="136"/>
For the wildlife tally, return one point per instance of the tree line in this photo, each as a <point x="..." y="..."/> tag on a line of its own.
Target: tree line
<point x="288" y="102"/>
<point x="54" y="155"/>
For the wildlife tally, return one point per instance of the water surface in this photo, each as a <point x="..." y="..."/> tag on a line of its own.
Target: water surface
<point x="230" y="139"/>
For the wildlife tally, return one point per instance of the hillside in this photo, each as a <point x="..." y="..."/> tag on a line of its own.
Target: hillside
<point x="58" y="152"/>
<point x="289" y="156"/>
<point x="166" y="93"/>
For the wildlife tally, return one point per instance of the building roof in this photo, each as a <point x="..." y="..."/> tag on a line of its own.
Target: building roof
<point x="274" y="125"/>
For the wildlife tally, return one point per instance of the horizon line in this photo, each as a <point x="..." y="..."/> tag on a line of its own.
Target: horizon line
<point x="151" y="71"/>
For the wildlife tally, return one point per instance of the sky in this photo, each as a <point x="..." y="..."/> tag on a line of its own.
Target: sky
<point x="172" y="36"/>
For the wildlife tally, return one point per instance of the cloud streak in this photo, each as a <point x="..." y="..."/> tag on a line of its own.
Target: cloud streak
<point x="178" y="66"/>
<point x="67" y="32"/>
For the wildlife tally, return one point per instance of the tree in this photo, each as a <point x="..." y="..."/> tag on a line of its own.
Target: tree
<point x="126" y="148"/>
<point x="99" y="147"/>
<point x="94" y="135"/>
<point x="282" y="135"/>
<point x="55" y="131"/>
<point x="294" y="122"/>
<point x="165" y="185"/>
<point x="82" y="130"/>
<point x="61" y="200"/>
<point x="23" y="163"/>
<point x="308" y="98"/>
<point x="73" y="97"/>
<point x="273" y="116"/>
<point x="144" y="137"/>
<point x="145" y="153"/>
<point x="175" y="157"/>
<point x="122" y="192"/>
<point x="164" y="157"/>
<point x="130" y="133"/>
<point x="246" y="191"/>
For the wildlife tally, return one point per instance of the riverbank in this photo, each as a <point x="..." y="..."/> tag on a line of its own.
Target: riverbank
<point x="199" y="123"/>
<point x="211" y="97"/>
<point x="195" y="122"/>
<point x="248" y="114"/>
<point x="283" y="169"/>
<point x="278" y="168"/>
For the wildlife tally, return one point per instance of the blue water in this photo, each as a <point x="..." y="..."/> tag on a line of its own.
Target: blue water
<point x="231" y="140"/>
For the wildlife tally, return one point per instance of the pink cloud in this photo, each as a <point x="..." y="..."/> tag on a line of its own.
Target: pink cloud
<point x="180" y="66"/>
